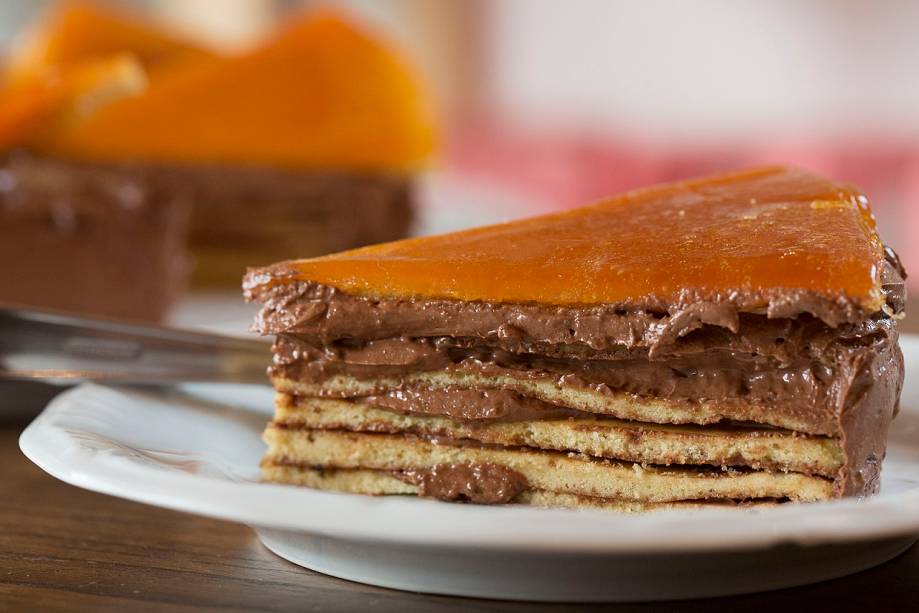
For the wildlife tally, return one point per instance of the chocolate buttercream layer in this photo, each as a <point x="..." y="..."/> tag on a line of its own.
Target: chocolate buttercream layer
<point x="89" y="240"/>
<point x="590" y="402"/>
<point x="470" y="404"/>
<point x="484" y="483"/>
<point x="869" y="400"/>
<point x="807" y="394"/>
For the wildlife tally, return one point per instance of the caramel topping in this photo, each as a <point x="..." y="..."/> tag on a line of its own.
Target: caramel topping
<point x="321" y="94"/>
<point x="75" y="32"/>
<point x="30" y="109"/>
<point x="737" y="237"/>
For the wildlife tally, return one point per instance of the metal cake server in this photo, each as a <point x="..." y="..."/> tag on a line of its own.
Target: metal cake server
<point x="43" y="345"/>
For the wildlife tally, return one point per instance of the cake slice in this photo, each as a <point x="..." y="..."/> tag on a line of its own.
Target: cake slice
<point x="263" y="155"/>
<point x="730" y="340"/>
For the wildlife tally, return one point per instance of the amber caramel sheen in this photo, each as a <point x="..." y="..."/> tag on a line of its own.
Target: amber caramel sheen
<point x="752" y="233"/>
<point x="75" y="59"/>
<point x="321" y="94"/>
<point x="31" y="109"/>
<point x="74" y="32"/>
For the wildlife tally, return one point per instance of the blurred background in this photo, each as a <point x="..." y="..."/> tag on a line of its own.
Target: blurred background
<point x="547" y="104"/>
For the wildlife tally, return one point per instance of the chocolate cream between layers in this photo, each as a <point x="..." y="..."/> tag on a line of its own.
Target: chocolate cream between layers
<point x="89" y="240"/>
<point x="234" y="214"/>
<point x="796" y="360"/>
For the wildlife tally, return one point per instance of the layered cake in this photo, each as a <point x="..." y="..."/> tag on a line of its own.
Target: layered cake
<point x="730" y="340"/>
<point x="307" y="144"/>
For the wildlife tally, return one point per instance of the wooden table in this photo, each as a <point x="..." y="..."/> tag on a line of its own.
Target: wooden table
<point x="63" y="548"/>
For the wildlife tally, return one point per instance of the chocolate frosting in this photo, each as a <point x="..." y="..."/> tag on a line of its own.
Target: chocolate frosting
<point x="483" y="483"/>
<point x="807" y="385"/>
<point x="469" y="404"/>
<point x="89" y="240"/>
<point x="328" y="314"/>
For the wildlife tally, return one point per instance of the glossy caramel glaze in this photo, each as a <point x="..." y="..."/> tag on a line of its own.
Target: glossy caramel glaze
<point x="745" y="237"/>
<point x="77" y="31"/>
<point x="29" y="109"/>
<point x="322" y="93"/>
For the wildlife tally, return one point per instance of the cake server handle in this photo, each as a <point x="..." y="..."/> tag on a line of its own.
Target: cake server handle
<point x="53" y="346"/>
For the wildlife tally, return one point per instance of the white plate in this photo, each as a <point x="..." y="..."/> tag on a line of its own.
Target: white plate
<point x="197" y="449"/>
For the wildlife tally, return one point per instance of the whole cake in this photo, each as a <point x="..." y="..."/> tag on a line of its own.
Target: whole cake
<point x="729" y="340"/>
